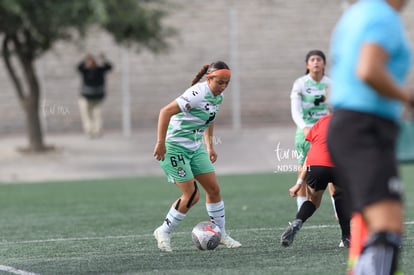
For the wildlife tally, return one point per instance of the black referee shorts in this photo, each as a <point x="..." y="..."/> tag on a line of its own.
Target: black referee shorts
<point x="318" y="177"/>
<point x="362" y="147"/>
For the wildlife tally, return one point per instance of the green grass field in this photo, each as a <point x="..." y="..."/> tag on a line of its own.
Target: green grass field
<point x="105" y="227"/>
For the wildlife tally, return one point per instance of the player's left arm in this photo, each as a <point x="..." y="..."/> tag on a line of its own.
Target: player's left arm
<point x="208" y="138"/>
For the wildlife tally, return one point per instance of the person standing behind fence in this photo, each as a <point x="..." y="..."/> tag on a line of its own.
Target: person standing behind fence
<point x="92" y="93"/>
<point x="371" y="59"/>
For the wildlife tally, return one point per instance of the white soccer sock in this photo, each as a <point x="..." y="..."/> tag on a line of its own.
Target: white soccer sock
<point x="216" y="213"/>
<point x="300" y="200"/>
<point x="172" y="220"/>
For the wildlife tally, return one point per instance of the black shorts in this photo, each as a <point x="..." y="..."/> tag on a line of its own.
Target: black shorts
<point x="362" y="147"/>
<point x="318" y="177"/>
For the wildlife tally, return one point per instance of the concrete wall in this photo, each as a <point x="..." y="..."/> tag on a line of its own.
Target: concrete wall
<point x="273" y="38"/>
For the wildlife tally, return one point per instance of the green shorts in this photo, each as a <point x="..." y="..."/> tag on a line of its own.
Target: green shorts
<point x="181" y="164"/>
<point x="302" y="146"/>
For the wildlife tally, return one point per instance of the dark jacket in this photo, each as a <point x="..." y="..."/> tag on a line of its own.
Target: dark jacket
<point x="93" y="80"/>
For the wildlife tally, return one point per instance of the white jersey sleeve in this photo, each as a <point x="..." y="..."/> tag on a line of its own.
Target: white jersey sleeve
<point x="191" y="98"/>
<point x="296" y="104"/>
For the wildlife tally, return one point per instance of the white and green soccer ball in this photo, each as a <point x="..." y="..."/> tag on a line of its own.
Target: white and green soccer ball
<point x="206" y="235"/>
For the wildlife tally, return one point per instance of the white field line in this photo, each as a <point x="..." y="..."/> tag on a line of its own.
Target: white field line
<point x="13" y="270"/>
<point x="76" y="239"/>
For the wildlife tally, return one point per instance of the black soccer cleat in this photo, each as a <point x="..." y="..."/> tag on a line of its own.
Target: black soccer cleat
<point x="345" y="242"/>
<point x="287" y="237"/>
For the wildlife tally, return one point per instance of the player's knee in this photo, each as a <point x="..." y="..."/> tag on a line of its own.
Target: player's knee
<point x="213" y="191"/>
<point x="316" y="203"/>
<point x="316" y="198"/>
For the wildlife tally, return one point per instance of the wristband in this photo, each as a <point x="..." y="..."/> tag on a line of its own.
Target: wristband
<point x="299" y="181"/>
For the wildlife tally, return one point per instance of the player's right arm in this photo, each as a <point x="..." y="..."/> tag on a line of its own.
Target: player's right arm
<point x="163" y="120"/>
<point x="301" y="178"/>
<point x="296" y="106"/>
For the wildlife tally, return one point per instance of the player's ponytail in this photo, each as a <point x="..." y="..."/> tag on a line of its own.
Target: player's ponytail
<point x="218" y="65"/>
<point x="200" y="74"/>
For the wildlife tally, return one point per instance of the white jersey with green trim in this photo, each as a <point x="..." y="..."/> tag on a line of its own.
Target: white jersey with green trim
<point x="198" y="110"/>
<point x="309" y="100"/>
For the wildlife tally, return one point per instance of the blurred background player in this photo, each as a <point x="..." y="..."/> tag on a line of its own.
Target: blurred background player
<point x="319" y="172"/>
<point x="181" y="154"/>
<point x="308" y="104"/>
<point x="371" y="58"/>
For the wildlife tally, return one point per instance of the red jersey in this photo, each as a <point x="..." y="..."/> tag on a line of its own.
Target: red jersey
<point x="318" y="154"/>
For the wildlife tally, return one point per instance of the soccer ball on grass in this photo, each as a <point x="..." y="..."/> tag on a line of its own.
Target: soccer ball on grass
<point x="206" y="235"/>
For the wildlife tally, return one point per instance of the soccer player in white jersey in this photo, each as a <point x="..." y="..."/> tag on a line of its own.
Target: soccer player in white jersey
<point x="182" y="124"/>
<point x="308" y="105"/>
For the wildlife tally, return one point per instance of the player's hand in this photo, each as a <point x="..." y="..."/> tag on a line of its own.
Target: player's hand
<point x="159" y="151"/>
<point x="213" y="155"/>
<point x="306" y="131"/>
<point x="293" y="191"/>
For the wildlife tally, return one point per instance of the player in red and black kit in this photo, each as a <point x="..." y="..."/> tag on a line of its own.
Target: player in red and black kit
<point x="319" y="172"/>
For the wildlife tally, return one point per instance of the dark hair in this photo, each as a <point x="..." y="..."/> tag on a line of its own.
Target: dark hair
<point x="312" y="53"/>
<point x="218" y="65"/>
